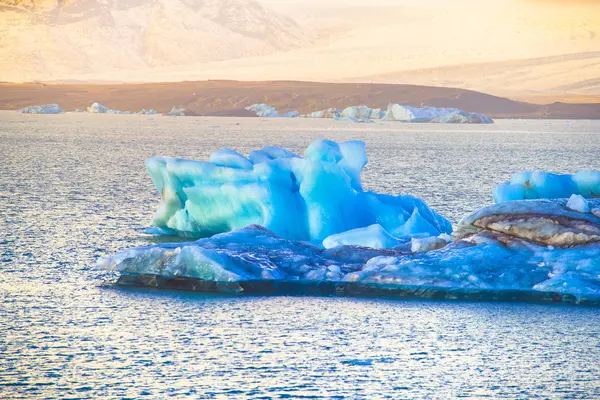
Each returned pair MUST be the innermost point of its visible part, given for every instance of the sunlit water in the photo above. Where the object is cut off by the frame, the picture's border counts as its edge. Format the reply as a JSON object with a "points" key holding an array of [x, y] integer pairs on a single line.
{"points": [[73, 188]]}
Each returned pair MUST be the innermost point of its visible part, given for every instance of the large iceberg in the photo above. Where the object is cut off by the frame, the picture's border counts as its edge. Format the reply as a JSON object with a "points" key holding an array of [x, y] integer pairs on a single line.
{"points": [[546, 185], [297, 198], [523, 250], [285, 224], [45, 109]]}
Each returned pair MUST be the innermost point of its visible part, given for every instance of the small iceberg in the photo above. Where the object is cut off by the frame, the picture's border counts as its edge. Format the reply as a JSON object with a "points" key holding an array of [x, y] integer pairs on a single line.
{"points": [[97, 108], [397, 112], [180, 111], [266, 111], [44, 109], [545, 185]]}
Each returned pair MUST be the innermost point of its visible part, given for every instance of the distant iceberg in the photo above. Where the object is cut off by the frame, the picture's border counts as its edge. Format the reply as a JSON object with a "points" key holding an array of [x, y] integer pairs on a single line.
{"points": [[45, 109], [329, 113], [462, 117], [397, 112], [97, 108], [266, 111]]}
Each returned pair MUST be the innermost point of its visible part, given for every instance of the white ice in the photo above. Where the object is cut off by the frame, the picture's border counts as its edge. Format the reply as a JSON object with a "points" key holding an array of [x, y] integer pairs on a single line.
{"points": [[45, 109]]}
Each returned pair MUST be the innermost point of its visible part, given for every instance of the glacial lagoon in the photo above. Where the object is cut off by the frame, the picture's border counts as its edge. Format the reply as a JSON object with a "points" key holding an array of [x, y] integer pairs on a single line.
{"points": [[74, 189]]}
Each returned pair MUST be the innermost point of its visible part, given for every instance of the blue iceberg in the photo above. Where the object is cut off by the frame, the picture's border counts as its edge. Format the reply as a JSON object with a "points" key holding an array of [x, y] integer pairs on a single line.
{"points": [[280, 224], [546, 185], [297, 198]]}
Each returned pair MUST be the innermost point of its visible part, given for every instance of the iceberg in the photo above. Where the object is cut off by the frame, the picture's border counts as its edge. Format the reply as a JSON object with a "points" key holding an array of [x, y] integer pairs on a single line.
{"points": [[501, 252], [266, 111], [318, 232], [462, 117], [546, 185], [45, 109], [397, 112], [361, 113], [97, 108], [180, 111], [329, 113], [263, 110], [297, 198]]}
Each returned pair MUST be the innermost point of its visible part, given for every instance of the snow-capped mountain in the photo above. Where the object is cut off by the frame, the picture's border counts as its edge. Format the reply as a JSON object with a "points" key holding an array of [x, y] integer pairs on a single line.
{"points": [[48, 39]]}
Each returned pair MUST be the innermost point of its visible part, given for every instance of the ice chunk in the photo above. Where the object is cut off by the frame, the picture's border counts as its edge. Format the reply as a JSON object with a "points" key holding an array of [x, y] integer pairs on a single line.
{"points": [[329, 113], [373, 236], [462, 117], [298, 198], [180, 111], [45, 109], [397, 112], [578, 203], [546, 185], [263, 110]]}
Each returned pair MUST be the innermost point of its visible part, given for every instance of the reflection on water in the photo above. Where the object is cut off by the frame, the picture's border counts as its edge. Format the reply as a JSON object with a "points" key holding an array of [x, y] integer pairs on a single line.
{"points": [[73, 188]]}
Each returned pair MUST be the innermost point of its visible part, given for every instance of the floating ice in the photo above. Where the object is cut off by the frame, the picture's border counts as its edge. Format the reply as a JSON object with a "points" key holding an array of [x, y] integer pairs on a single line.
{"points": [[307, 198], [546, 185], [397, 112], [263, 110], [488, 260], [364, 243], [329, 113], [266, 111], [45, 109], [180, 111], [462, 117], [97, 108]]}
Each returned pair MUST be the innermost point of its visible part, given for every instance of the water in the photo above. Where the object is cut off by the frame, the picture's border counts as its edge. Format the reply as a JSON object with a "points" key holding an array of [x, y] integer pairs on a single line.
{"points": [[73, 188]]}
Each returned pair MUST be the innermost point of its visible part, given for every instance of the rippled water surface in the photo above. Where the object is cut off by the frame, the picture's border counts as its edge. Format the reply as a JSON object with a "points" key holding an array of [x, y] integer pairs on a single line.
{"points": [[73, 188]]}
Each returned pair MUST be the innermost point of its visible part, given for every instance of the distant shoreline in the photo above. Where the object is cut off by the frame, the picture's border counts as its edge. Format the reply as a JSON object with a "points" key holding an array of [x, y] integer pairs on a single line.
{"points": [[228, 98]]}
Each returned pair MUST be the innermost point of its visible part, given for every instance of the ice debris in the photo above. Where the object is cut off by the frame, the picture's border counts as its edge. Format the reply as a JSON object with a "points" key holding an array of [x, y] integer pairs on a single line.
{"points": [[44, 109], [546, 185], [298, 198]]}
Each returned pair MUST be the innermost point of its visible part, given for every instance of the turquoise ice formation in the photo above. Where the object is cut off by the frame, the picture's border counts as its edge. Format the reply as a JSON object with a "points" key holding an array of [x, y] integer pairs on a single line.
{"points": [[281, 223], [297, 198], [546, 185]]}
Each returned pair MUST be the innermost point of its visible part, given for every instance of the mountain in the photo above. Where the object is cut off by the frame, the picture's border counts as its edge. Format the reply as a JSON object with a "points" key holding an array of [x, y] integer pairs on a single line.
{"points": [[526, 78], [43, 40]]}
